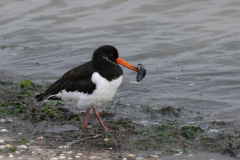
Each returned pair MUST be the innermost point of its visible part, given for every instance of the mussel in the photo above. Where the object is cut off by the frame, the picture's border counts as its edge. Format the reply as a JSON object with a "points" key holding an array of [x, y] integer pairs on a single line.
{"points": [[141, 72]]}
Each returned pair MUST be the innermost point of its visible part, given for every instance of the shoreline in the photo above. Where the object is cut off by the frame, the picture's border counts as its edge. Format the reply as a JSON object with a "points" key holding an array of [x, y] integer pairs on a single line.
{"points": [[49, 131]]}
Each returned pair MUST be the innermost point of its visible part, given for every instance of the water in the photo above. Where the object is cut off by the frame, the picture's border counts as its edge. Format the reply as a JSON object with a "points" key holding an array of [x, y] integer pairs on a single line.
{"points": [[190, 48]]}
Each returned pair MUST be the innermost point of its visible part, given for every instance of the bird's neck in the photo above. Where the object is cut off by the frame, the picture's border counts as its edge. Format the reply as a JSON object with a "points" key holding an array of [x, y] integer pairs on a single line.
{"points": [[108, 71]]}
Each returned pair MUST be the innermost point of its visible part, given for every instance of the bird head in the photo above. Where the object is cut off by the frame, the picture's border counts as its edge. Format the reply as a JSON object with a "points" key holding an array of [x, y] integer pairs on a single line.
{"points": [[108, 55]]}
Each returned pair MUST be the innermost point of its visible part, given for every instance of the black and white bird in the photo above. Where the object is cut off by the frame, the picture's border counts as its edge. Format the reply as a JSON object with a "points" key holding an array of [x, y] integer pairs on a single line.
{"points": [[91, 84]]}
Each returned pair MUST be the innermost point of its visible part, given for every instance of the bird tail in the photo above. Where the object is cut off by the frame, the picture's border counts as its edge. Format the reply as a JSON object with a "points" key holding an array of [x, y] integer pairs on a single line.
{"points": [[40, 97]]}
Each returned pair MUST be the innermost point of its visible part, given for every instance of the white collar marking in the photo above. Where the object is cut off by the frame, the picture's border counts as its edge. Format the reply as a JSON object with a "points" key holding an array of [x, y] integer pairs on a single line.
{"points": [[109, 60]]}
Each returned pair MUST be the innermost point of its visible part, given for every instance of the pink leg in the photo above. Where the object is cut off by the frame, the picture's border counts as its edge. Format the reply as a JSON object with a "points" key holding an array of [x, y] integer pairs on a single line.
{"points": [[97, 115], [85, 124]]}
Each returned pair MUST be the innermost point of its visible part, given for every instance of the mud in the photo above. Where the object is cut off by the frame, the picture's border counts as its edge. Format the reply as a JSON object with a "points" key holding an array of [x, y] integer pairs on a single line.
{"points": [[47, 130]]}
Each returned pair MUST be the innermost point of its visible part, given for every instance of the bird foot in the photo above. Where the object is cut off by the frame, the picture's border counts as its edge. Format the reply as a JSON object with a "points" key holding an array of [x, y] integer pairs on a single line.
{"points": [[107, 130], [86, 126]]}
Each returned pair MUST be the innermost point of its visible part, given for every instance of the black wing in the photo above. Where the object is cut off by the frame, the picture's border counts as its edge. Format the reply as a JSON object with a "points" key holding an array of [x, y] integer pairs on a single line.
{"points": [[76, 79]]}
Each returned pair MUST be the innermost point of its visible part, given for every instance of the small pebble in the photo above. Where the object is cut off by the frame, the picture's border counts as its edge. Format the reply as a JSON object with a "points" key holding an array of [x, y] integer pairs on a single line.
{"points": [[155, 156], [60, 147], [19, 133], [19, 157], [69, 158], [110, 148], [79, 154], [185, 145], [62, 157], [213, 131], [2, 141], [22, 146], [41, 138], [131, 155], [69, 152], [65, 146], [190, 155], [1, 157], [93, 157], [61, 154], [10, 156], [191, 84], [178, 154], [98, 135], [139, 158], [17, 152], [8, 146], [124, 158], [3, 120], [69, 143], [107, 139], [3, 130], [54, 158], [7, 120], [2, 147]]}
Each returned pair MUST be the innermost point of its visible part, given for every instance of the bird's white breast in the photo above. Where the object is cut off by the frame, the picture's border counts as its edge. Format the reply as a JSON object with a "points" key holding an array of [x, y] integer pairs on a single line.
{"points": [[104, 92]]}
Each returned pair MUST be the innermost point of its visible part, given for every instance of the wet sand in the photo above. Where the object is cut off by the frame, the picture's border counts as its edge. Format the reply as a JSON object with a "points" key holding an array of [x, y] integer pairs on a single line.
{"points": [[47, 130]]}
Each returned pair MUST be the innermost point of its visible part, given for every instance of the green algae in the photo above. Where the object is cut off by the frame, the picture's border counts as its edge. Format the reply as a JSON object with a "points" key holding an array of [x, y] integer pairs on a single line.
{"points": [[49, 111], [161, 134], [26, 92], [3, 103], [23, 139], [117, 122], [170, 152], [25, 83], [9, 150], [3, 47]]}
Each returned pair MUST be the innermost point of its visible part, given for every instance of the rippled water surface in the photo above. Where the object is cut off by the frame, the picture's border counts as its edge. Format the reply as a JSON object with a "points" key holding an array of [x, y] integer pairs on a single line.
{"points": [[191, 49]]}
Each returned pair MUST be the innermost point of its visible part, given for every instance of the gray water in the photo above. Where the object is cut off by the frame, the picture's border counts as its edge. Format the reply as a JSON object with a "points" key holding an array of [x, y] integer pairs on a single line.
{"points": [[191, 49]]}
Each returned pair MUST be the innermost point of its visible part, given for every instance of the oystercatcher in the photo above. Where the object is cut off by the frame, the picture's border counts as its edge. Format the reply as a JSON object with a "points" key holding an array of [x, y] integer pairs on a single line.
{"points": [[91, 84]]}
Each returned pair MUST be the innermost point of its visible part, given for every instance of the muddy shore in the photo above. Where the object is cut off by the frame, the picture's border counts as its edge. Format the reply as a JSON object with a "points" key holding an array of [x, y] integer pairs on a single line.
{"points": [[47, 130]]}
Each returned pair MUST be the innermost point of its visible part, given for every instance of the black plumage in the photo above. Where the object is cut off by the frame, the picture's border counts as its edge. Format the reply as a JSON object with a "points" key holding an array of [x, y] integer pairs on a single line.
{"points": [[79, 78]]}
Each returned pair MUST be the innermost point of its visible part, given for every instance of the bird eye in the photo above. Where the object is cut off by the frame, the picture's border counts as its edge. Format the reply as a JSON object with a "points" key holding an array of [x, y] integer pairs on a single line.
{"points": [[111, 54]]}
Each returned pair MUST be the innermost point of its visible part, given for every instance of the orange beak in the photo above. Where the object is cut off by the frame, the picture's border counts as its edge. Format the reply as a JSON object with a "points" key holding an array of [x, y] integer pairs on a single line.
{"points": [[126, 64]]}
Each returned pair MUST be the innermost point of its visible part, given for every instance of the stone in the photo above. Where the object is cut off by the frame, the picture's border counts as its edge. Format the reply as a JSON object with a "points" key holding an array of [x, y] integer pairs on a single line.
{"points": [[61, 157], [131, 155], [3, 130], [94, 157], [22, 146], [10, 156]]}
